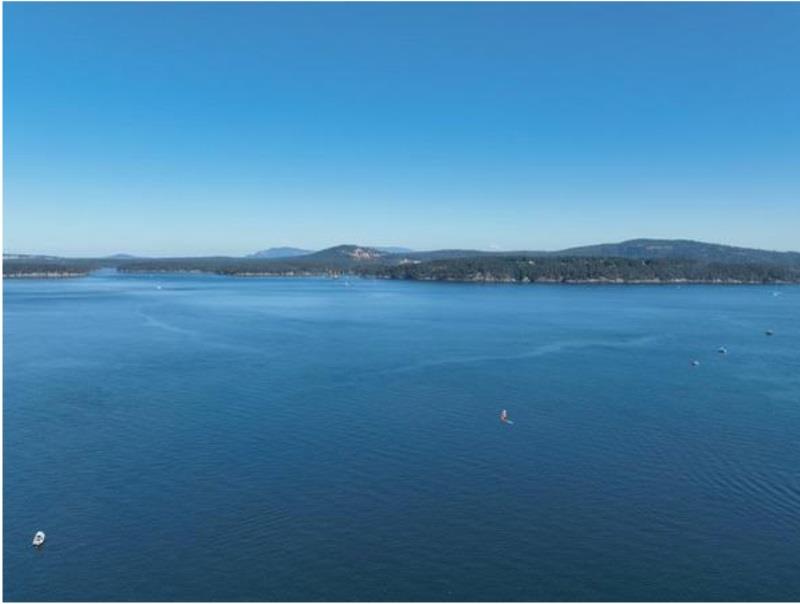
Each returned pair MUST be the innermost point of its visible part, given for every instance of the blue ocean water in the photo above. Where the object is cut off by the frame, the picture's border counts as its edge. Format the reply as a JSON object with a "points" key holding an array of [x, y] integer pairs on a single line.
{"points": [[209, 438]]}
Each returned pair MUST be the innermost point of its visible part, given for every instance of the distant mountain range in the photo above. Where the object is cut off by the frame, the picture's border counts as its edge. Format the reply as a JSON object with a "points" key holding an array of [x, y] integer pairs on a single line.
{"points": [[122, 256], [280, 252], [291, 252], [10, 256]]}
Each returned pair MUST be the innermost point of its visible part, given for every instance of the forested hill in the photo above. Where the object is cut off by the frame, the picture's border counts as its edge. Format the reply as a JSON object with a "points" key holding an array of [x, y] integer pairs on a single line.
{"points": [[639, 249], [685, 249]]}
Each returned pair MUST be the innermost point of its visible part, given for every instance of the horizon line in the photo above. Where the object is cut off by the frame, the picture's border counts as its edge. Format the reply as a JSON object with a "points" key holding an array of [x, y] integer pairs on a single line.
{"points": [[312, 250]]}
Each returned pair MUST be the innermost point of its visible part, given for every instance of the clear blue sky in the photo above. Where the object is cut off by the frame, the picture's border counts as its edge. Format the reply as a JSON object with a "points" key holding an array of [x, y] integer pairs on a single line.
{"points": [[225, 128]]}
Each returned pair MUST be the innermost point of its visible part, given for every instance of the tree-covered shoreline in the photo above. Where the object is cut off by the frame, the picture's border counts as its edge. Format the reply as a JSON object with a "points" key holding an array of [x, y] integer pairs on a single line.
{"points": [[589, 270], [487, 269], [635, 261]]}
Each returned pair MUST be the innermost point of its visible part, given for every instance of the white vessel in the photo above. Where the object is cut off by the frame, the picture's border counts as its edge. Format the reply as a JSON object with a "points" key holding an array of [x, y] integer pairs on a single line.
{"points": [[38, 539]]}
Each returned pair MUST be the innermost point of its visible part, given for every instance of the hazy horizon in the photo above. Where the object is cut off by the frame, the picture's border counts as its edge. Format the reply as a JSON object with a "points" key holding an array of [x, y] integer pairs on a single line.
{"points": [[160, 129], [796, 249]]}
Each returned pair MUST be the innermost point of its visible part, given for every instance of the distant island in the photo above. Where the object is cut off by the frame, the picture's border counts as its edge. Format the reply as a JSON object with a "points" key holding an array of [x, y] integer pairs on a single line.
{"points": [[280, 252], [634, 261]]}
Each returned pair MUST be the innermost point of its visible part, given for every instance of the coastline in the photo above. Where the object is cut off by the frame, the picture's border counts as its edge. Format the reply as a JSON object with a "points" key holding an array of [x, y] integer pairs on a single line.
{"points": [[482, 279], [45, 275]]}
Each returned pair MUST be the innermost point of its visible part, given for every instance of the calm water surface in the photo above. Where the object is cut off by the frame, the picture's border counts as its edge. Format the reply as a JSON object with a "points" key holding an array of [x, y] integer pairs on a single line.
{"points": [[210, 438]]}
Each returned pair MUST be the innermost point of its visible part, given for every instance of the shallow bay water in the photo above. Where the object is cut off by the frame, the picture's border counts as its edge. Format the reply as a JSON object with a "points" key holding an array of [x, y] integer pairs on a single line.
{"points": [[190, 437]]}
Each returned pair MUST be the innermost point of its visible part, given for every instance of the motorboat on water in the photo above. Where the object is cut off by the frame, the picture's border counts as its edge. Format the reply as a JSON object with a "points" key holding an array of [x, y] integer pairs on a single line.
{"points": [[38, 539], [504, 417]]}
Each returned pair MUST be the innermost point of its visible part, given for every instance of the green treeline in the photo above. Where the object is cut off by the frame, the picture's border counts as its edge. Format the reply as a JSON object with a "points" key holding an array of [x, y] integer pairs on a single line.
{"points": [[486, 268], [50, 267], [586, 269]]}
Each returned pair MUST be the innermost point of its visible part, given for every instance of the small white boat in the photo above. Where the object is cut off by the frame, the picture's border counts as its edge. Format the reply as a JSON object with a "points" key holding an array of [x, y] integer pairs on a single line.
{"points": [[695, 363], [722, 350], [38, 539]]}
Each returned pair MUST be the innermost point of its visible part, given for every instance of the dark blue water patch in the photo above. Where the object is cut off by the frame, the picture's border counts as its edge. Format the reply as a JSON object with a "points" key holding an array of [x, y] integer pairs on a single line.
{"points": [[207, 438]]}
